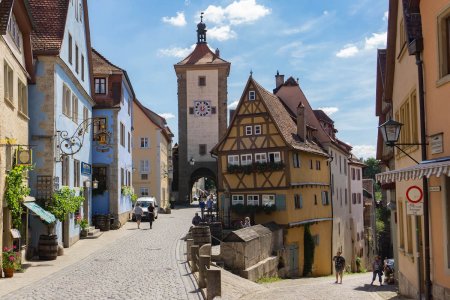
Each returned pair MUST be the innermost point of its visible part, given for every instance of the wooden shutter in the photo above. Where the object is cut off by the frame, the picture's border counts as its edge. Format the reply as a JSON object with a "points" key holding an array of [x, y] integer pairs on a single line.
{"points": [[280, 202]]}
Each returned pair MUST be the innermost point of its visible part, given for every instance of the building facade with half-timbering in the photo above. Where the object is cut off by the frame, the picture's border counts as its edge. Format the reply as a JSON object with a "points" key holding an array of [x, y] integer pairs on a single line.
{"points": [[271, 169]]}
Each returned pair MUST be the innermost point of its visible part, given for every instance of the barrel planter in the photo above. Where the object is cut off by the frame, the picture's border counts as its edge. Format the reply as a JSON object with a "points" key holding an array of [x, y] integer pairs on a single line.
{"points": [[216, 232], [103, 222], [48, 247], [201, 235]]}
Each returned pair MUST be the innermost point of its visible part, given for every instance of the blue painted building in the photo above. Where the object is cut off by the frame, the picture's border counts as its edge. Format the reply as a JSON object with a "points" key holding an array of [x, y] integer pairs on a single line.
{"points": [[112, 163], [59, 101]]}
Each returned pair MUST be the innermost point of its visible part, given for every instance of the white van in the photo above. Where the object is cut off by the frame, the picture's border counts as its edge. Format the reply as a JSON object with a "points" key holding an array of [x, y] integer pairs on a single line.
{"points": [[145, 202]]}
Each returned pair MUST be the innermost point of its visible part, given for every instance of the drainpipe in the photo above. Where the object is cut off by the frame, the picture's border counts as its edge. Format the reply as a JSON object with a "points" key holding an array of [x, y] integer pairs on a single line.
{"points": [[423, 140]]}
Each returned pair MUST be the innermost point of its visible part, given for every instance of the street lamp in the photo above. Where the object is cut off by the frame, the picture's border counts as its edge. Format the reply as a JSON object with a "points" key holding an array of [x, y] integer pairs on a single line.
{"points": [[192, 161], [390, 131], [95, 184]]}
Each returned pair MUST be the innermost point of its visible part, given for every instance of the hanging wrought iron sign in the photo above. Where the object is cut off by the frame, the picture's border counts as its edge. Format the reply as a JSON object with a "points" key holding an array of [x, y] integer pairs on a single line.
{"points": [[70, 144]]}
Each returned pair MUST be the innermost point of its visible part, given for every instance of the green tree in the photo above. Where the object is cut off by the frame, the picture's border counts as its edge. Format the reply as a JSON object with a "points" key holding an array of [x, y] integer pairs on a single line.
{"points": [[373, 168]]}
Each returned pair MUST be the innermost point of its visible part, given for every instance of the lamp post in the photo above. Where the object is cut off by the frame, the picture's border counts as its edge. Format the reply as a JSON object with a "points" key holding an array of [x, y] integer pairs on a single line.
{"points": [[390, 132], [192, 161]]}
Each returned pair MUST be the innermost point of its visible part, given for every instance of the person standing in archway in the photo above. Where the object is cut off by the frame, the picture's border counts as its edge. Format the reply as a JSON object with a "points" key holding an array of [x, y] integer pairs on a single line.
{"points": [[202, 205]]}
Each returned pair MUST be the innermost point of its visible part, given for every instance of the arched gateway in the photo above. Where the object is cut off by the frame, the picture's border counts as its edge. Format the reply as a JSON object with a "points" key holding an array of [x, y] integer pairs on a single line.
{"points": [[202, 113]]}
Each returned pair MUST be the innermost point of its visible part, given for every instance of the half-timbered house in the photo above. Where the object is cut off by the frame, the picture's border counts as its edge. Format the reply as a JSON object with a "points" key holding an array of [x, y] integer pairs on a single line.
{"points": [[271, 170]]}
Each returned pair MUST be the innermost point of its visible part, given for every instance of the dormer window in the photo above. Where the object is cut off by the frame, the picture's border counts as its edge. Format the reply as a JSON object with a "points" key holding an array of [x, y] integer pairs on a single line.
{"points": [[251, 95], [100, 85]]}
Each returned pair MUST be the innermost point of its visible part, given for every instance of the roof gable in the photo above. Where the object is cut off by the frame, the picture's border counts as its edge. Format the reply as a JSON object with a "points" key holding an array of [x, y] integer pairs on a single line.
{"points": [[202, 55], [285, 125], [50, 20], [5, 13]]}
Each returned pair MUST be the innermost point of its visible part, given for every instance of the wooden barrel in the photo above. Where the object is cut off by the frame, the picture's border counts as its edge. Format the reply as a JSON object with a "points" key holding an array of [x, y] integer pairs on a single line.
{"points": [[216, 232], [201, 235], [103, 222], [48, 247]]}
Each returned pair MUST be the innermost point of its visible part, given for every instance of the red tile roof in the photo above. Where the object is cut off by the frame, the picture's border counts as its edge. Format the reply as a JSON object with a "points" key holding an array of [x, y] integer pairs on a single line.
{"points": [[5, 12], [102, 65], [202, 55], [50, 20]]}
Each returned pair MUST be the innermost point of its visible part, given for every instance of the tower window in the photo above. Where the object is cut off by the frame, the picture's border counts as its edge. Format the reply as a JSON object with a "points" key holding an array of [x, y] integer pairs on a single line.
{"points": [[251, 95], [202, 149], [201, 81]]}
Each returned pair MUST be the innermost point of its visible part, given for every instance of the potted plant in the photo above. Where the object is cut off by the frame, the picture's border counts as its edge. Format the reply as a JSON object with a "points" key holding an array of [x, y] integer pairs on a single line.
{"points": [[84, 224], [358, 264], [9, 261]]}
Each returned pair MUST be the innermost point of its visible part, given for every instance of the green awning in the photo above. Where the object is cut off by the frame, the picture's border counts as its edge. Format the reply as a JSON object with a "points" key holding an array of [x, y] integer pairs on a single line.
{"points": [[45, 216]]}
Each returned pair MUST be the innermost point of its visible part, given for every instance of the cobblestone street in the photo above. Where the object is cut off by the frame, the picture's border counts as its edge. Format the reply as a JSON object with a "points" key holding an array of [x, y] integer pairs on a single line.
{"points": [[145, 264]]}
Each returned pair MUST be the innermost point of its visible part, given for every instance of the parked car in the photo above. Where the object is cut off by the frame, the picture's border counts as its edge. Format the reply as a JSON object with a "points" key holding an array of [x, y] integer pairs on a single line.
{"points": [[145, 202]]}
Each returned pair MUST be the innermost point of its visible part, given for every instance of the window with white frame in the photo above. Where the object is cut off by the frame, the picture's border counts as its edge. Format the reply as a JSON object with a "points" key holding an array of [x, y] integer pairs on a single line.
{"points": [[144, 166], [296, 159], [233, 160], [298, 201], [257, 130], [22, 97], [85, 117], [144, 142], [8, 81], [237, 199], [325, 200], [246, 159], [252, 199], [260, 157], [100, 85], [82, 67], [77, 63], [268, 200], [144, 192], [14, 32], [274, 157], [248, 130], [70, 48], [251, 95], [66, 101], [74, 108], [444, 42]]}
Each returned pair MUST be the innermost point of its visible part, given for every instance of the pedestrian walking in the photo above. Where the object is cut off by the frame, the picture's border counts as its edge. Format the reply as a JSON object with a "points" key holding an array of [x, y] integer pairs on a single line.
{"points": [[196, 220], [138, 212], [202, 207], [151, 214], [209, 204], [377, 268], [339, 266], [246, 223]]}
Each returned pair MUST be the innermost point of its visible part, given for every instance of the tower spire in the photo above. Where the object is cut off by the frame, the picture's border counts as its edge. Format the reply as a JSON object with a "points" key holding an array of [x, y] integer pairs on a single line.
{"points": [[201, 31]]}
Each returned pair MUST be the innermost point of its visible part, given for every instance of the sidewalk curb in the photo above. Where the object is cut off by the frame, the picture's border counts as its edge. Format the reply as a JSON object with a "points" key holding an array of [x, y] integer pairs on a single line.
{"points": [[190, 284]]}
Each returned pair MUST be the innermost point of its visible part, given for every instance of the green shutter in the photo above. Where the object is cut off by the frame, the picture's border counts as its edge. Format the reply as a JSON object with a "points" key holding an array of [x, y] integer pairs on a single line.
{"points": [[280, 202]]}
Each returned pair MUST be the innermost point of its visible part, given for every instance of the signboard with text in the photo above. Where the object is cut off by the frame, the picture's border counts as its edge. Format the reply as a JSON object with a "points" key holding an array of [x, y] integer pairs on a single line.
{"points": [[86, 169], [415, 209]]}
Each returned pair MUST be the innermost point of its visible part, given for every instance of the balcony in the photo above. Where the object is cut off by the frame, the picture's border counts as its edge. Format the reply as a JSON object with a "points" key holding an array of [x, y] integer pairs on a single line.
{"points": [[256, 167]]}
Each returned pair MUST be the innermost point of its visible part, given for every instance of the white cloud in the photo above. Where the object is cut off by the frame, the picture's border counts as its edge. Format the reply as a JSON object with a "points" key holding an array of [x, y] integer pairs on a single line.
{"points": [[376, 40], [386, 16], [364, 151], [238, 12], [176, 51], [233, 104], [329, 110], [167, 116], [221, 33], [179, 20], [348, 51], [308, 25]]}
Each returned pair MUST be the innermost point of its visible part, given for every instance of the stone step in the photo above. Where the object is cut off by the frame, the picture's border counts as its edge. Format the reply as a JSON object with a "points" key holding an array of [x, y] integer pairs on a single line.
{"points": [[93, 232], [90, 228], [94, 235]]}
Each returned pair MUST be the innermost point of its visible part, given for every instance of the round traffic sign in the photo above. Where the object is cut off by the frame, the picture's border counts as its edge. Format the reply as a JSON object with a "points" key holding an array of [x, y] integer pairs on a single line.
{"points": [[414, 194]]}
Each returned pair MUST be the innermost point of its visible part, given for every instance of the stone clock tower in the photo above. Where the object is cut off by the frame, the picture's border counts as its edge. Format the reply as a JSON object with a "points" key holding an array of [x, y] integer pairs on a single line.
{"points": [[202, 112]]}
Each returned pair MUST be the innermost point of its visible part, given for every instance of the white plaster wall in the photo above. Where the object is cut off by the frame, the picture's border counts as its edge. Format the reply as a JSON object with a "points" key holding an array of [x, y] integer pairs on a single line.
{"points": [[357, 209], [202, 130]]}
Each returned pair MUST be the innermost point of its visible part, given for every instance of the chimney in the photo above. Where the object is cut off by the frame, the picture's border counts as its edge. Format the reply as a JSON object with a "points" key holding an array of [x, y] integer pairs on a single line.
{"points": [[217, 52], [301, 121], [279, 79]]}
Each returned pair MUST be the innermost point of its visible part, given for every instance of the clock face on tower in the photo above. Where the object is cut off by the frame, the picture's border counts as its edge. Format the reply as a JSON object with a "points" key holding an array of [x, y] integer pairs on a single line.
{"points": [[202, 108]]}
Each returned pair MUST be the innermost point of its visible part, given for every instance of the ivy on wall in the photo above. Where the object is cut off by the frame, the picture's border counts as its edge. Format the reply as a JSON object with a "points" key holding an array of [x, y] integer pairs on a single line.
{"points": [[15, 193]]}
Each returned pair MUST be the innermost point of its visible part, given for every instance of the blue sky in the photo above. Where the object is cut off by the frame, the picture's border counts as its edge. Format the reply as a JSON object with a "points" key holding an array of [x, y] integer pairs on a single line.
{"points": [[330, 45]]}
